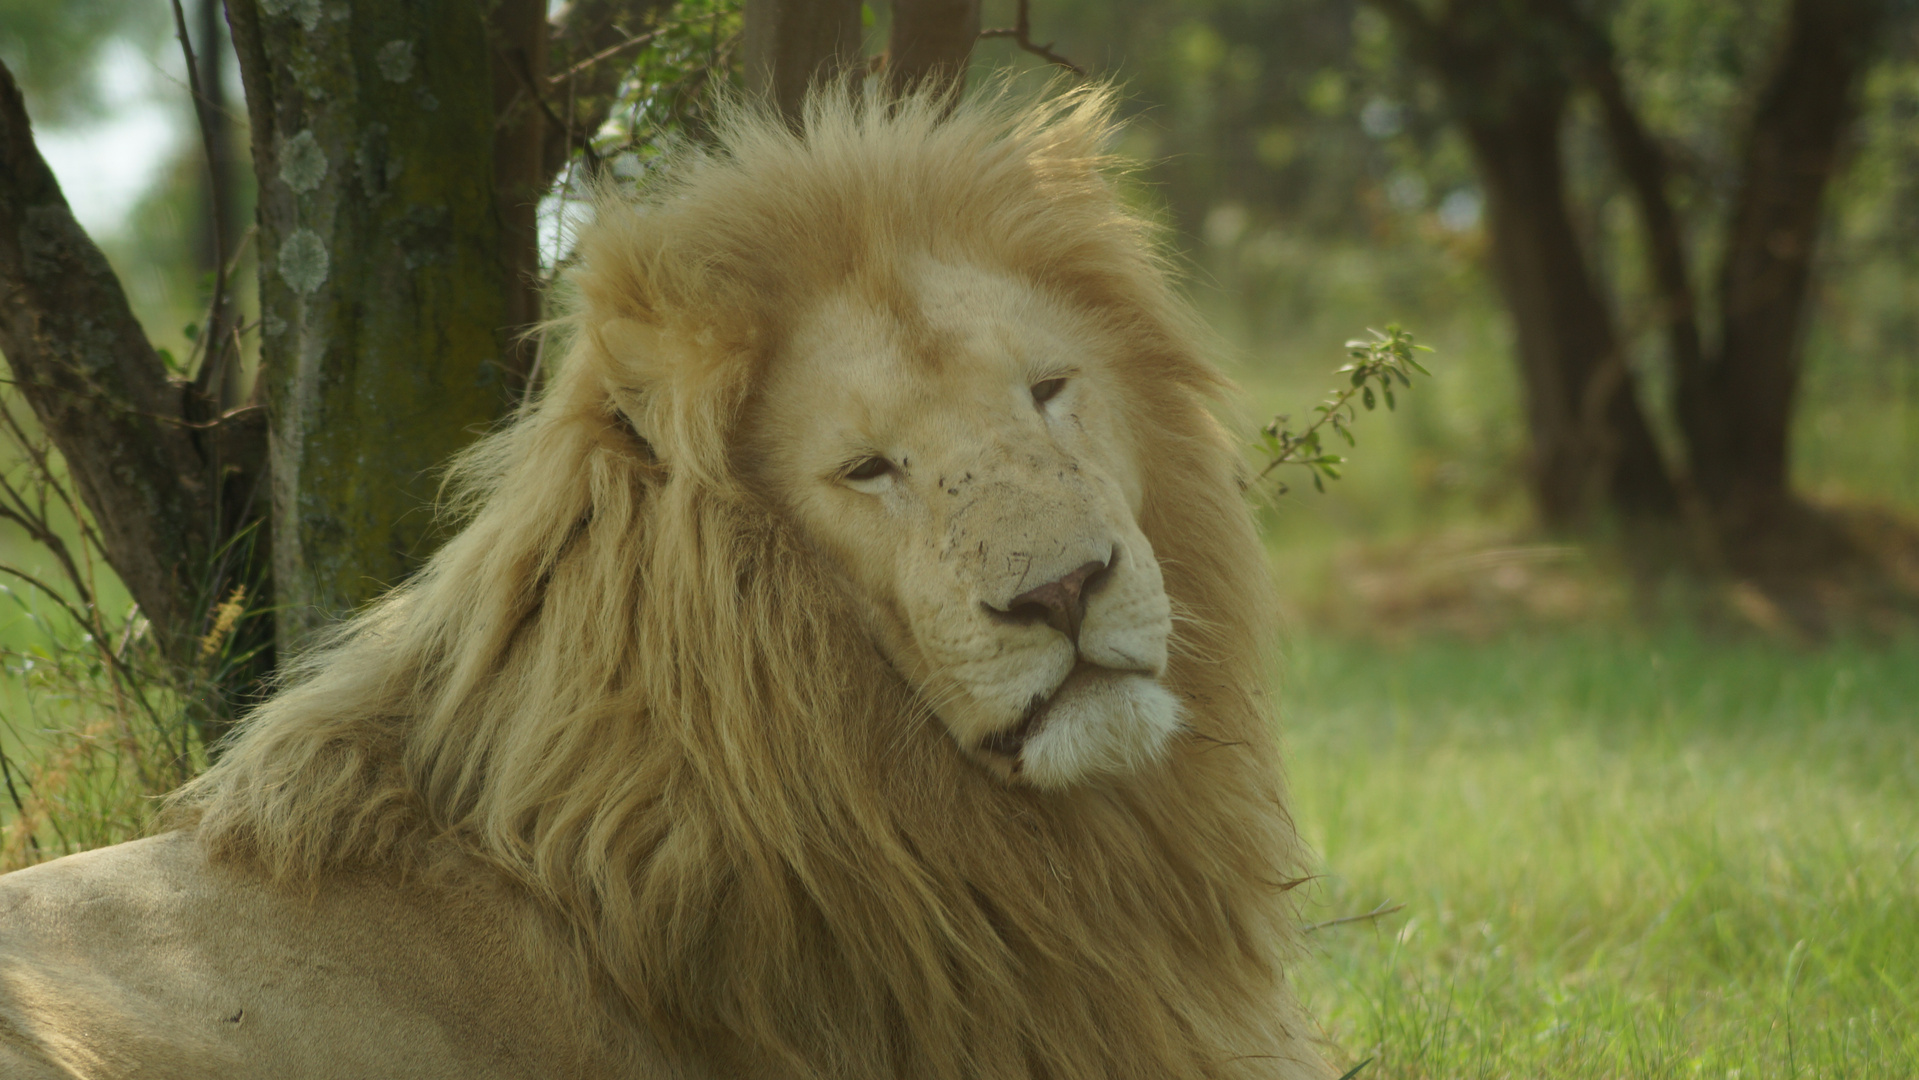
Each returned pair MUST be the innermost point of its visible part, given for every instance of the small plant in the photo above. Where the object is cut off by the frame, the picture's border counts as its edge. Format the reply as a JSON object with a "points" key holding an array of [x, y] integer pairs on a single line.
{"points": [[1380, 362]]}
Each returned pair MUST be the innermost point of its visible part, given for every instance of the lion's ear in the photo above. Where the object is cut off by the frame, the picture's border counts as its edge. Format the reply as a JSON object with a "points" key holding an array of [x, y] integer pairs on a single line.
{"points": [[639, 369], [663, 381]]}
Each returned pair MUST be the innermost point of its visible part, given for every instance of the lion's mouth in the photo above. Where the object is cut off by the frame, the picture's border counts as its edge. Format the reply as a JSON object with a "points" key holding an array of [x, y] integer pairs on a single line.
{"points": [[1097, 722], [1008, 744]]}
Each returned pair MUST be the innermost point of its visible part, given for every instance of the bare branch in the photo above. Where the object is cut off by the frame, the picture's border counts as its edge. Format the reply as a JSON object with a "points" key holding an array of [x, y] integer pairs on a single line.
{"points": [[79, 619], [609, 53], [583, 30], [1021, 32], [203, 113]]}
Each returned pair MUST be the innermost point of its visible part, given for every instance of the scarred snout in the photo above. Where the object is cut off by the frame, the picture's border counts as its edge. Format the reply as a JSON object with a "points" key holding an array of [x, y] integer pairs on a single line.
{"points": [[1058, 680]]}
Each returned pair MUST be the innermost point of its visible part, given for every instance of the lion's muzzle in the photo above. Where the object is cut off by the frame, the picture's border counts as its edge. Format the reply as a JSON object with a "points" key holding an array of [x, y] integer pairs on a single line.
{"points": [[1060, 604]]}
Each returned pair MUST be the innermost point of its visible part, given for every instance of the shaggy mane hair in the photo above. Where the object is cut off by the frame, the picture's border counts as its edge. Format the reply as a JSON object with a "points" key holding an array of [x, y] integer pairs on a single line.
{"points": [[629, 687]]}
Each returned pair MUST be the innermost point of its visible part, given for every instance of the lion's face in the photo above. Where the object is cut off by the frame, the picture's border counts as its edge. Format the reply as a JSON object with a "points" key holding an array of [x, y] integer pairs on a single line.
{"points": [[956, 445]]}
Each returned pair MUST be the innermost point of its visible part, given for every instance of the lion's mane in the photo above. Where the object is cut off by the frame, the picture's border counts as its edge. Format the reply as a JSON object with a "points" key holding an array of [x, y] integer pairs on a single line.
{"points": [[628, 687]]}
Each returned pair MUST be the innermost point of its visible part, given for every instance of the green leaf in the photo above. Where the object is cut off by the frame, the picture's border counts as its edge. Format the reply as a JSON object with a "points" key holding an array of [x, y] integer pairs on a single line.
{"points": [[1390, 403], [1367, 397], [192, 331], [1318, 485]]}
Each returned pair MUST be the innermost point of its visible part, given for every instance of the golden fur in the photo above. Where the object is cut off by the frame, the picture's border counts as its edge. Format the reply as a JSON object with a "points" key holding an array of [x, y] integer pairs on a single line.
{"points": [[629, 687]]}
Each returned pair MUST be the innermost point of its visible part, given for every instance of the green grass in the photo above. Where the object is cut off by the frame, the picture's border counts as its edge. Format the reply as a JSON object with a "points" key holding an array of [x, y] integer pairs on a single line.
{"points": [[1622, 854]]}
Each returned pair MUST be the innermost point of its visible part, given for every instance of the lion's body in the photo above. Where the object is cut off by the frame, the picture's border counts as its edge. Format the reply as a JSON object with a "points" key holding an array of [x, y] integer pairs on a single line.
{"points": [[627, 747], [142, 960]]}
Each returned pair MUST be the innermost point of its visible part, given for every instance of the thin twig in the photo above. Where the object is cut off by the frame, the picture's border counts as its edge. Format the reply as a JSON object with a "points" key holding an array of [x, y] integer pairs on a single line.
{"points": [[37, 453], [524, 76], [611, 51], [1385, 359], [6, 770], [215, 193], [217, 325], [1377, 913], [41, 531], [78, 619], [95, 632], [1021, 33]]}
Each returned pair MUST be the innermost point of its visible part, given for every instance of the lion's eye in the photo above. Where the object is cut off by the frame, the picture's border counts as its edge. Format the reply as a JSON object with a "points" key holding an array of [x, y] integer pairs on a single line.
{"points": [[870, 469], [1044, 392]]}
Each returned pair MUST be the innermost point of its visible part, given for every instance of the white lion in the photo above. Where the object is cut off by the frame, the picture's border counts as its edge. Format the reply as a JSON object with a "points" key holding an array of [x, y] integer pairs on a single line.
{"points": [[850, 668]]}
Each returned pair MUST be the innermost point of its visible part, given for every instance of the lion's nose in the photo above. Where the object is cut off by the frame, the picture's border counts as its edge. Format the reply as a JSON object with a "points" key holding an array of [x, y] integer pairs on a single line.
{"points": [[1059, 604]]}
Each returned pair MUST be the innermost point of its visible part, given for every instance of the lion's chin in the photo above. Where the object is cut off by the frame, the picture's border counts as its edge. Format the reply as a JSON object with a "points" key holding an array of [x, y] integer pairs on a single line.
{"points": [[1099, 723]]}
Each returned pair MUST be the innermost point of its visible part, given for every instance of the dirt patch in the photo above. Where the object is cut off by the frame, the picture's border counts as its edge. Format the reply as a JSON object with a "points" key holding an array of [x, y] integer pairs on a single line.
{"points": [[1812, 571]]}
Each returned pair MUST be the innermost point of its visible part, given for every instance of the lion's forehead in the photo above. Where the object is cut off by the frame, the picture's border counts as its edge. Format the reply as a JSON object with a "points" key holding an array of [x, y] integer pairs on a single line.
{"points": [[935, 334]]}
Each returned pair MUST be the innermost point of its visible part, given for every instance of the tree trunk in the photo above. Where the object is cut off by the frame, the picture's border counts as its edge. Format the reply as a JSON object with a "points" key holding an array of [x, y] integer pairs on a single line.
{"points": [[1643, 165], [1735, 408], [1502, 70], [219, 233], [791, 46], [930, 40], [152, 482], [381, 290], [518, 33], [1591, 443]]}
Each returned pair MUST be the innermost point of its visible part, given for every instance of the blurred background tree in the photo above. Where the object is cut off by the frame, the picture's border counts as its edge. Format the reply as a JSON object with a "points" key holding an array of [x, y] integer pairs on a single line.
{"points": [[1652, 210]]}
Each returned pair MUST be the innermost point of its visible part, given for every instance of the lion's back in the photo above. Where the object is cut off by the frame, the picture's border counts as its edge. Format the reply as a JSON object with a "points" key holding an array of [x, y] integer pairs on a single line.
{"points": [[144, 960]]}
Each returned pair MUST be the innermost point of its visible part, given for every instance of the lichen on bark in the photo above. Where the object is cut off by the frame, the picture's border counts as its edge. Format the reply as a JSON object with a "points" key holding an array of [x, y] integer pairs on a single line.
{"points": [[381, 285]]}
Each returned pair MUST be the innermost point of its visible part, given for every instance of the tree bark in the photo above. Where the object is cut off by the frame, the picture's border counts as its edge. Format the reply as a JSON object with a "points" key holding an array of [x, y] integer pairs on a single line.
{"points": [[382, 296], [792, 45], [1735, 407], [518, 33], [930, 41], [153, 483]]}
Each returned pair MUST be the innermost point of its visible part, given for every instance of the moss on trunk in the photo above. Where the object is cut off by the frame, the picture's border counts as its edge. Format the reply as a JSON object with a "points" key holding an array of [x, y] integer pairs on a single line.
{"points": [[382, 289]]}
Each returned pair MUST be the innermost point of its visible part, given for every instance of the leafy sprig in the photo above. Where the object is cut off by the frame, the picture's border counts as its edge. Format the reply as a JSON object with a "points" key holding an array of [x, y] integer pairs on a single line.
{"points": [[1375, 367]]}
